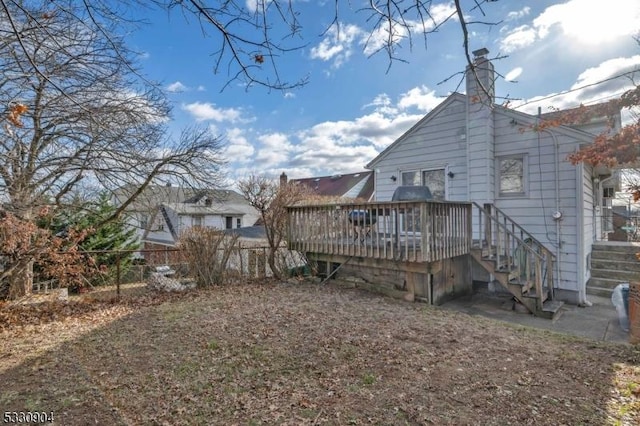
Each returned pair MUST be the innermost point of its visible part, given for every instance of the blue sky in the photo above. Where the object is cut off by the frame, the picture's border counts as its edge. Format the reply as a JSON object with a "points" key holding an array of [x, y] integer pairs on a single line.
{"points": [[352, 107]]}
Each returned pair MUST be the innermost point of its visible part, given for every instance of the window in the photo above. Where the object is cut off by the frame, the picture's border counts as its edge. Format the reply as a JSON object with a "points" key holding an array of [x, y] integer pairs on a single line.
{"points": [[229, 222], [239, 222], [411, 178], [144, 221], [511, 179], [434, 179], [196, 221]]}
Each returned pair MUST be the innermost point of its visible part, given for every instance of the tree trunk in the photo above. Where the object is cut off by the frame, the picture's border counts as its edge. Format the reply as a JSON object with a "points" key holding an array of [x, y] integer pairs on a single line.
{"points": [[271, 259], [21, 281]]}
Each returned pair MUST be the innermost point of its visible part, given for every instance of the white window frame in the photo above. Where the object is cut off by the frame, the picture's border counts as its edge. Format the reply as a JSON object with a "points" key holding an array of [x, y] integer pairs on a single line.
{"points": [[525, 176], [445, 170]]}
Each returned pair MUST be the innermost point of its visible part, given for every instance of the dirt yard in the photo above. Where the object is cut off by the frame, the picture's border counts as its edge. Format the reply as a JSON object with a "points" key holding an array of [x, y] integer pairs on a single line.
{"points": [[302, 354]]}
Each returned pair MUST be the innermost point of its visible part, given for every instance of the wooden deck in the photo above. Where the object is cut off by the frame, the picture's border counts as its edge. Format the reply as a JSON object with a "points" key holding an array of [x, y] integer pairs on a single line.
{"points": [[403, 231], [421, 238]]}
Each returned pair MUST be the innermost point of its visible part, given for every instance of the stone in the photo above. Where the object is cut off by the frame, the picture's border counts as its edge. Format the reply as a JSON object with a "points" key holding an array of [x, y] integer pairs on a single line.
{"points": [[159, 282]]}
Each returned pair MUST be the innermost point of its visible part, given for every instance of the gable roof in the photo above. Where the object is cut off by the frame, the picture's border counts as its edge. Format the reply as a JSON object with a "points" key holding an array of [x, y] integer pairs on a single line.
{"points": [[152, 196], [351, 185], [521, 117], [216, 196]]}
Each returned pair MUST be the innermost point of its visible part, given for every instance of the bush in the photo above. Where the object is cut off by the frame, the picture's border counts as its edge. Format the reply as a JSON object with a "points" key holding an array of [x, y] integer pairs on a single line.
{"points": [[207, 251]]}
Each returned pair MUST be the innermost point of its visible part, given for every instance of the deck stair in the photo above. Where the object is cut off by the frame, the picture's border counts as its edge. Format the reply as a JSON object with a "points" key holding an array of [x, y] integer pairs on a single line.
{"points": [[518, 261]]}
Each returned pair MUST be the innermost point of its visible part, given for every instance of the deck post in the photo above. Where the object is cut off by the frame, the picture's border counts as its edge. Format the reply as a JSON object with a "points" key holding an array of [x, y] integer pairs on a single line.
{"points": [[411, 286], [487, 228]]}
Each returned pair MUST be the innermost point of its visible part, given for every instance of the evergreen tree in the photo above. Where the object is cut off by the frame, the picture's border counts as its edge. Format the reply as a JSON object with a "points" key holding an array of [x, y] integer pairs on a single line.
{"points": [[114, 238]]}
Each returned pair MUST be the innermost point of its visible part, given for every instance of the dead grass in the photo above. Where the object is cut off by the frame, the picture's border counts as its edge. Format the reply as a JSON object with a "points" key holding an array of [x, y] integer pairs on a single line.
{"points": [[307, 354]]}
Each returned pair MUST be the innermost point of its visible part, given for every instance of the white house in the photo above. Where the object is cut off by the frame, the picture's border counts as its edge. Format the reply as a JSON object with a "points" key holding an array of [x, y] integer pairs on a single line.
{"points": [[220, 209], [470, 149], [138, 214]]}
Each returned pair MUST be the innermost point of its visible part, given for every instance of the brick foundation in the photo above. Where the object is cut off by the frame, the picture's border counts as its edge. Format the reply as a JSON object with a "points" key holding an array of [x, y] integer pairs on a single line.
{"points": [[634, 313]]}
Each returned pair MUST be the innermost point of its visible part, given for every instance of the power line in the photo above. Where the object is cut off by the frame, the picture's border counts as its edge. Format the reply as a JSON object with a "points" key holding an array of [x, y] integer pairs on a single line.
{"points": [[578, 88]]}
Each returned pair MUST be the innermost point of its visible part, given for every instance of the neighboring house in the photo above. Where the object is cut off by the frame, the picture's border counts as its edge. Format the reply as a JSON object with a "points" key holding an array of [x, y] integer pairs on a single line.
{"points": [[221, 209], [138, 214], [353, 185], [470, 149]]}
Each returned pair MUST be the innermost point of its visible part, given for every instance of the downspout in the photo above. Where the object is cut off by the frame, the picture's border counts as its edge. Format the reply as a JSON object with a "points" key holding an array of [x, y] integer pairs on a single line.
{"points": [[556, 154]]}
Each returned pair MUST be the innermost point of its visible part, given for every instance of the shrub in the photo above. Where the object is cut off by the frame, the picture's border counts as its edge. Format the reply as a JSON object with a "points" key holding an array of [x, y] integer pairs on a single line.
{"points": [[207, 251]]}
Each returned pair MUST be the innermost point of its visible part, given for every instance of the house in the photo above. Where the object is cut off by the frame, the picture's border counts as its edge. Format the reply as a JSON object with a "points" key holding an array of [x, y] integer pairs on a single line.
{"points": [[340, 186], [138, 214], [469, 149], [221, 209]]}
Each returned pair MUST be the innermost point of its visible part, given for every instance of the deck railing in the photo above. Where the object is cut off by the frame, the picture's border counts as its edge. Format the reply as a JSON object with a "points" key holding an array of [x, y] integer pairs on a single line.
{"points": [[515, 251], [424, 231]]}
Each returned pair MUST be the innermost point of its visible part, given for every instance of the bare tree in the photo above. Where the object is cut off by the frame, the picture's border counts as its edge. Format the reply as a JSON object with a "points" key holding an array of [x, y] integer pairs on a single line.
{"points": [[249, 37], [271, 199], [77, 113]]}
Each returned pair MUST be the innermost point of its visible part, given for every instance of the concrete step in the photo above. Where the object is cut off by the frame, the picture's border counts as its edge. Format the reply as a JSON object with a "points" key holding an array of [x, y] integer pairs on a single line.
{"points": [[616, 247], [615, 274], [614, 255], [599, 291], [617, 265], [603, 283]]}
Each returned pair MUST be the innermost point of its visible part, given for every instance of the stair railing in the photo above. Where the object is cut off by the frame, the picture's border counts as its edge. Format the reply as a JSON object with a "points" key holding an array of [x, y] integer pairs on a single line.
{"points": [[517, 252]]}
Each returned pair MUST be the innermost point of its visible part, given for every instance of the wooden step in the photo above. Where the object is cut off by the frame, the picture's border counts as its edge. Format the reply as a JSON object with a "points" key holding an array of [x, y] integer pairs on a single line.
{"points": [[551, 309]]}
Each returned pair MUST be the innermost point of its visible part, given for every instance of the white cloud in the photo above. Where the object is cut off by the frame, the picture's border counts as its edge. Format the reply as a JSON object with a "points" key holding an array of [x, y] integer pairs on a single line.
{"points": [[337, 45], [334, 146], [289, 95], [239, 149], [176, 87], [202, 111], [517, 14], [513, 74], [256, 6], [382, 37], [597, 89], [275, 149], [325, 148], [386, 35], [201, 88], [518, 38], [421, 97], [588, 22]]}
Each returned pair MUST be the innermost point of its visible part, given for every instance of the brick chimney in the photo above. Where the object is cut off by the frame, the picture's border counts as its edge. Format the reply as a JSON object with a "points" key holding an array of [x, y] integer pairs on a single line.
{"points": [[283, 179]]}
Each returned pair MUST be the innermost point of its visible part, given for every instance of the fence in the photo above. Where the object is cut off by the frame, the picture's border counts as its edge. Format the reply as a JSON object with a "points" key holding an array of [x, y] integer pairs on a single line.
{"points": [[131, 266]]}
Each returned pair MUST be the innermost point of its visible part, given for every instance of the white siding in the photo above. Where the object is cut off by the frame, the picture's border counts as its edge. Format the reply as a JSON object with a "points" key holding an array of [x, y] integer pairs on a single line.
{"points": [[437, 143], [534, 210], [588, 222], [551, 181]]}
